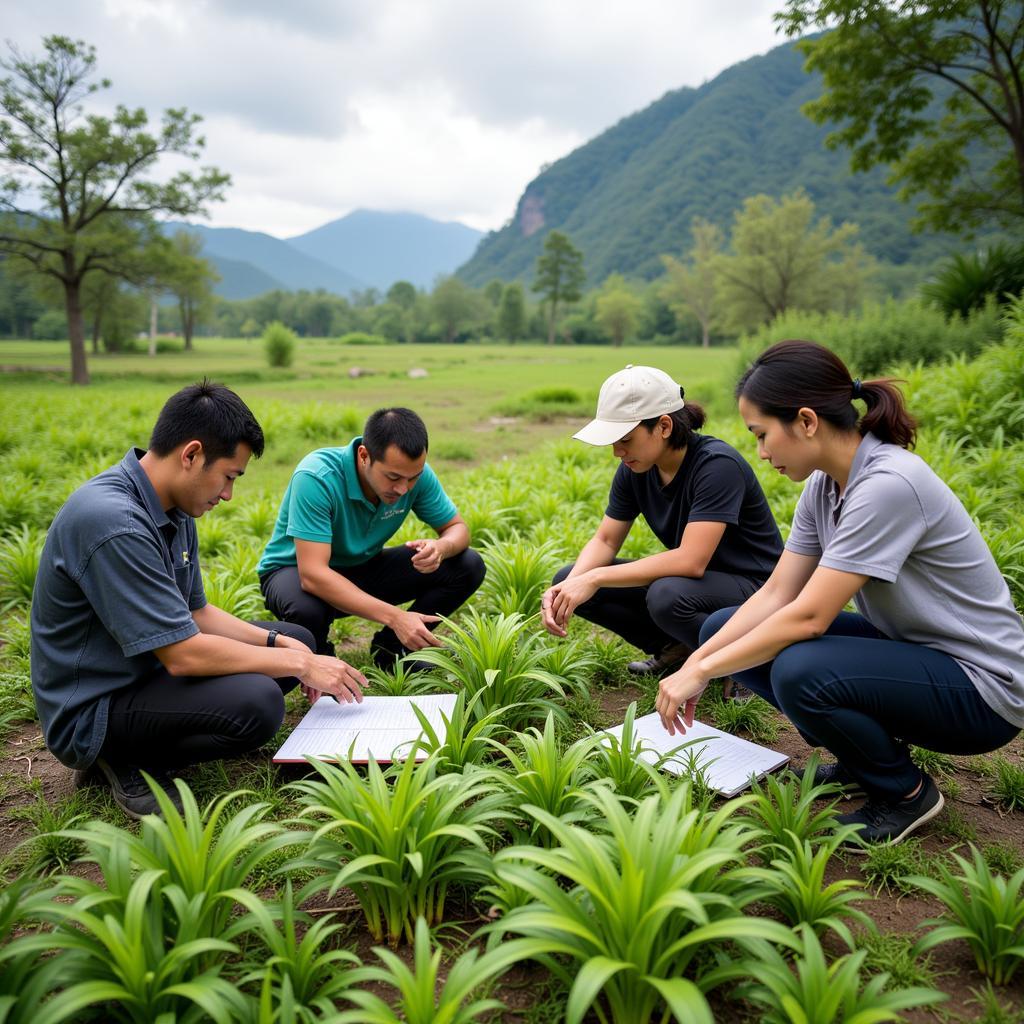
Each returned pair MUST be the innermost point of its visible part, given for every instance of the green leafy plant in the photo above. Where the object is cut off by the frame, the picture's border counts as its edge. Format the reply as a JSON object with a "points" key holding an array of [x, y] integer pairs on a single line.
{"points": [[933, 762], [401, 680], [756, 717], [279, 345], [51, 848], [423, 996], [518, 572], [138, 950], [984, 909], [1007, 784], [495, 657], [784, 810], [206, 855], [893, 954], [291, 956], [237, 595], [20, 551], [1006, 858], [543, 776], [616, 762], [466, 737], [648, 897], [893, 868], [795, 886], [812, 991], [397, 842]]}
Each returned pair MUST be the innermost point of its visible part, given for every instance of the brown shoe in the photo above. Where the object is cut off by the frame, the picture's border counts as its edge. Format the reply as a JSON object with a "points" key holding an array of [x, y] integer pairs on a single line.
{"points": [[667, 660]]}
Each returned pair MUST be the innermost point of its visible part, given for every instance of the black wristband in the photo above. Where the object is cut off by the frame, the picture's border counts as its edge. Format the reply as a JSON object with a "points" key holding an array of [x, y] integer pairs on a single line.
{"points": [[272, 638]]}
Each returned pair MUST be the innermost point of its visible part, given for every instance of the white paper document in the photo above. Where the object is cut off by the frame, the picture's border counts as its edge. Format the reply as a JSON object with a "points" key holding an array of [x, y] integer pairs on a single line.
{"points": [[728, 762], [378, 729]]}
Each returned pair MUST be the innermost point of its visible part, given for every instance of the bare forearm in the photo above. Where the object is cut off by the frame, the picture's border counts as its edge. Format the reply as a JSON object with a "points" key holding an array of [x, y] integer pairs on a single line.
{"points": [[596, 553], [454, 539], [208, 654], [742, 649], [643, 571], [215, 621]]}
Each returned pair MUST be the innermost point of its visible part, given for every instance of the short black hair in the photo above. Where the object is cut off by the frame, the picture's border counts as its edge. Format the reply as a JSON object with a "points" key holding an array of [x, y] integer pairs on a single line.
{"points": [[684, 422], [398, 426], [210, 413]]}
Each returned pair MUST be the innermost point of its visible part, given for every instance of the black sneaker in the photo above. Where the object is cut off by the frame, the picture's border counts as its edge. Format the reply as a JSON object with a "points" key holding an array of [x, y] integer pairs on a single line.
{"points": [[837, 775], [667, 660], [131, 791], [882, 821]]}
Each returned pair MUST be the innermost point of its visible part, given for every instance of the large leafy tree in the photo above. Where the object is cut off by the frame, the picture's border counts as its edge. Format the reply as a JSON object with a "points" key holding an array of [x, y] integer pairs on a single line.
{"points": [[75, 198], [784, 257], [189, 277], [617, 309], [933, 89], [560, 276], [693, 287]]}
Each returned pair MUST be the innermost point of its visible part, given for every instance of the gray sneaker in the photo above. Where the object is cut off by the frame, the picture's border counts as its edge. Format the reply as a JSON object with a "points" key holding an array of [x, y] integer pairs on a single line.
{"points": [[884, 821], [131, 791]]}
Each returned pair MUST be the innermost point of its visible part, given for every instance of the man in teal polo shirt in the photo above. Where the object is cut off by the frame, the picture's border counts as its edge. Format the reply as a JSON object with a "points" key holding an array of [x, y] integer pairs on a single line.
{"points": [[326, 557]]}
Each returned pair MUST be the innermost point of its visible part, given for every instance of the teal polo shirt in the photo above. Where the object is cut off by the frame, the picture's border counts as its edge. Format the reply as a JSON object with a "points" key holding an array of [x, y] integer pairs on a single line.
{"points": [[324, 503]]}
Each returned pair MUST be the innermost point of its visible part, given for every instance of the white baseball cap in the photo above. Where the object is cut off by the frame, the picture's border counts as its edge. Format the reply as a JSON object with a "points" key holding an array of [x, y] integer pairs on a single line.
{"points": [[627, 398]]}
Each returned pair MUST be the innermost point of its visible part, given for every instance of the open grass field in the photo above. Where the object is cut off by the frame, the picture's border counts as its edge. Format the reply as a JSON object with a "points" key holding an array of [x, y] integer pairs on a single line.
{"points": [[566, 882]]}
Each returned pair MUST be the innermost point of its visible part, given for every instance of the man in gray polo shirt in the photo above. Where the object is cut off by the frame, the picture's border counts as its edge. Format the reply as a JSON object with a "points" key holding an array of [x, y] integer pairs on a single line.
{"points": [[132, 668]]}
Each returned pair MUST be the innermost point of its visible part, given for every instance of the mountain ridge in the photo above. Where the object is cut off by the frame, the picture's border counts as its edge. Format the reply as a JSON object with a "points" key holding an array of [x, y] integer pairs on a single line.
{"points": [[630, 193]]}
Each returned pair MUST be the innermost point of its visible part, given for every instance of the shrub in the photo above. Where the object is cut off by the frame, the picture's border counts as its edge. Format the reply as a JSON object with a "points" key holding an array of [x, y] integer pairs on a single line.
{"points": [[362, 338], [279, 345], [968, 282], [880, 335]]}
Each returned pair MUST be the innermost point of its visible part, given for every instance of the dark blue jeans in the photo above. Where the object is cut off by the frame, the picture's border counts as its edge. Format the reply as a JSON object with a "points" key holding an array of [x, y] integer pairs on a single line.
{"points": [[865, 697], [669, 610]]}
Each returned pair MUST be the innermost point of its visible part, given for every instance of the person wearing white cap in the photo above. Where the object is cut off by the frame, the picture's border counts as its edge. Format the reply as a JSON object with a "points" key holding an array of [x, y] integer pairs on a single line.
{"points": [[702, 501]]}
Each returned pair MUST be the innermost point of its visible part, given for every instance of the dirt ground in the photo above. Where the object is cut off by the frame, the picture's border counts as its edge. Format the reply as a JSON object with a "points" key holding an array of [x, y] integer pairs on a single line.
{"points": [[524, 988]]}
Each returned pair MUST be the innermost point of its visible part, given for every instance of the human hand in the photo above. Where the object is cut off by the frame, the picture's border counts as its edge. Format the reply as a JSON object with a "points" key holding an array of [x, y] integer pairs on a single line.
{"points": [[412, 632], [334, 677], [546, 615], [429, 554], [568, 595], [678, 695]]}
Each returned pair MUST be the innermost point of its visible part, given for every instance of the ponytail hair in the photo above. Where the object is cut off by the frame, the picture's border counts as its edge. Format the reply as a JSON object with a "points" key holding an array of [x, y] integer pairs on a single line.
{"points": [[684, 422], [795, 375]]}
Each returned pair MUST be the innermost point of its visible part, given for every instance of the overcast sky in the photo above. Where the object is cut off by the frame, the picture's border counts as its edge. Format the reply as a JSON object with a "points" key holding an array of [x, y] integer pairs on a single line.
{"points": [[442, 107]]}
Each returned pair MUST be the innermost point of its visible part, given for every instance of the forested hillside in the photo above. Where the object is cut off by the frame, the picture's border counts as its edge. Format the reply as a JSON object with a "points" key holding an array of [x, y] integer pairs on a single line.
{"points": [[630, 194]]}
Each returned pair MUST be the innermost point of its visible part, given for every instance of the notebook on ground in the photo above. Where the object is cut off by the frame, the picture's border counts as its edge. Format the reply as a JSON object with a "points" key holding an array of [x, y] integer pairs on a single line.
{"points": [[729, 762], [379, 729]]}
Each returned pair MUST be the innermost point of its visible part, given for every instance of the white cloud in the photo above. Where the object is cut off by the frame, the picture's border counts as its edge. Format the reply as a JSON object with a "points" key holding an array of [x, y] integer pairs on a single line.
{"points": [[447, 108]]}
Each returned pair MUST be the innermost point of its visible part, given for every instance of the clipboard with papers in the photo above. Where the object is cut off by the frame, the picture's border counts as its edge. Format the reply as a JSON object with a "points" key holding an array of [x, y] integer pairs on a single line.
{"points": [[729, 762], [381, 729]]}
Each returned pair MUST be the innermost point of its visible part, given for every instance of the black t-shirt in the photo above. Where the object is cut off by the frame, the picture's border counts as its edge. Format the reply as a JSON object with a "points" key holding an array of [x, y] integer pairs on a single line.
{"points": [[713, 485]]}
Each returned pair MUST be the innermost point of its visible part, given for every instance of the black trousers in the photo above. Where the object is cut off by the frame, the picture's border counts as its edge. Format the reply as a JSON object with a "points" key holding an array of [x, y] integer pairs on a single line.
{"points": [[172, 721], [390, 577], [864, 697], [667, 611]]}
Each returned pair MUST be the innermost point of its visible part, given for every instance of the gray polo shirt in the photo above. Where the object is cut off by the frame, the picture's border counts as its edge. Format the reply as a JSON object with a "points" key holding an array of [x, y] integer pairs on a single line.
{"points": [[118, 578], [932, 579]]}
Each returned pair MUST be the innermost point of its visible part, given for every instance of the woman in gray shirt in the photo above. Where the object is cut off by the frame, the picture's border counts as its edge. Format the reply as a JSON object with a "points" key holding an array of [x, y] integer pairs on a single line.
{"points": [[934, 655]]}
